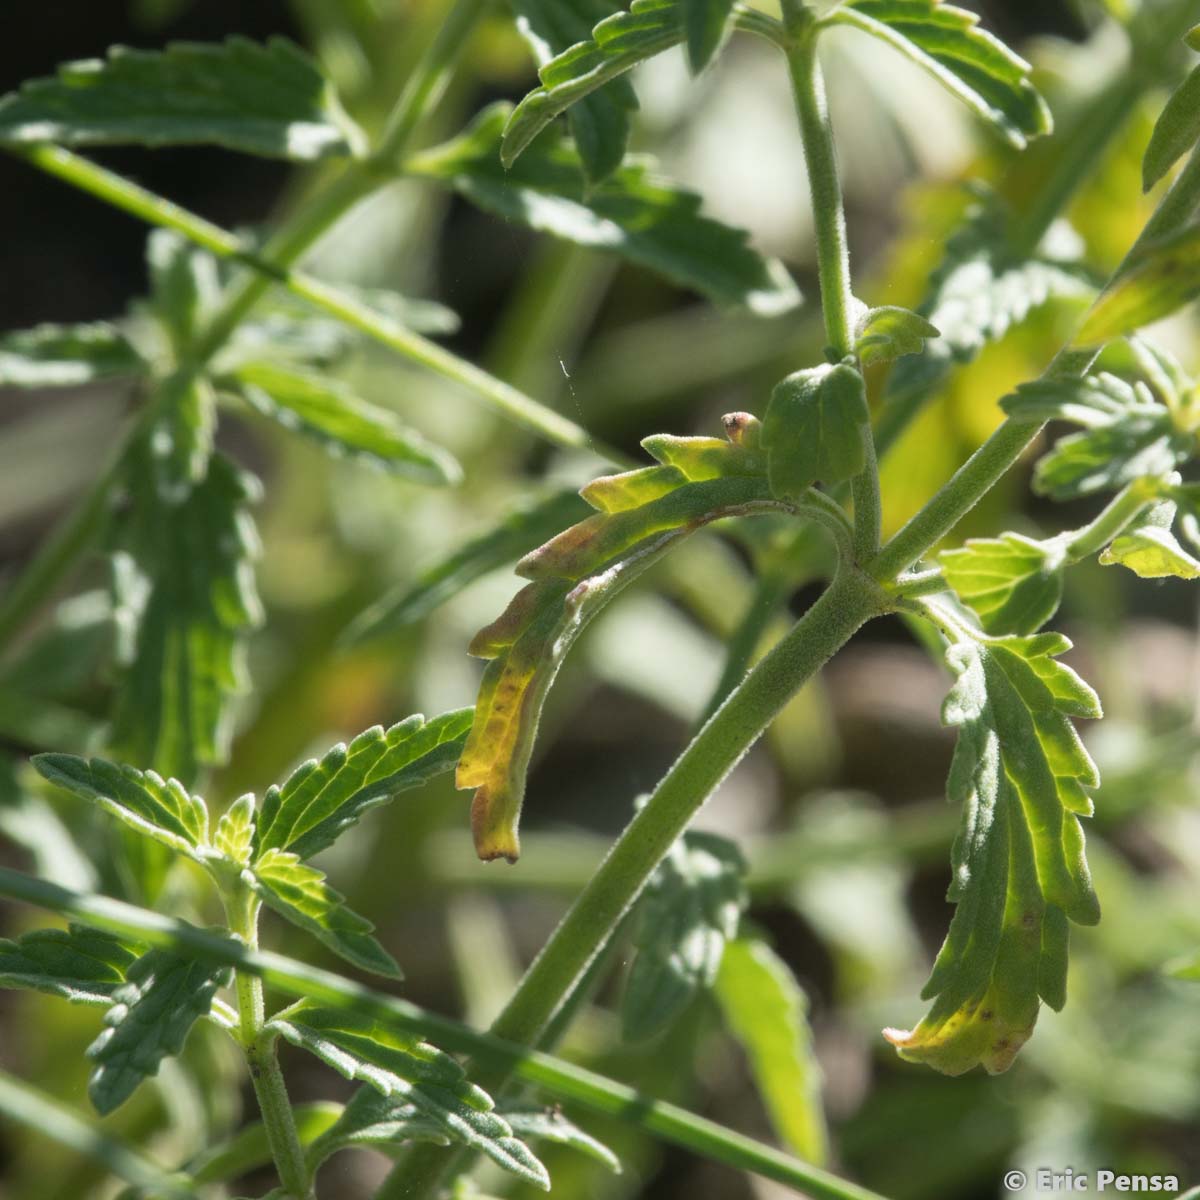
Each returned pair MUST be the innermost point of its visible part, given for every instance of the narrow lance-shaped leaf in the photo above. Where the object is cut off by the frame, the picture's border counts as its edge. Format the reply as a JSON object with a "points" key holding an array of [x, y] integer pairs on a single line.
{"points": [[1163, 277], [329, 412], [617, 44], [1012, 583], [1020, 774], [184, 597], [647, 220], [768, 1014], [299, 894], [599, 122], [153, 1011], [162, 810], [65, 355], [1175, 132], [403, 1068], [816, 429], [79, 964], [574, 575], [261, 99], [1127, 434], [522, 530], [321, 799], [691, 909], [706, 24], [946, 41]]}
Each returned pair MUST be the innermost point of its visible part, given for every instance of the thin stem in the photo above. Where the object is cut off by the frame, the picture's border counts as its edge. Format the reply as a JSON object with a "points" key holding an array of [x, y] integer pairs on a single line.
{"points": [[556, 1077], [265, 1074], [868, 505], [829, 218], [128, 196], [848, 603], [1113, 520], [427, 83]]}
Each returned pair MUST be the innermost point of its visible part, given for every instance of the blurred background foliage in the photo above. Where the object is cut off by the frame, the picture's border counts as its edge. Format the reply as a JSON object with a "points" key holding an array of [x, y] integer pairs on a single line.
{"points": [[840, 811]]}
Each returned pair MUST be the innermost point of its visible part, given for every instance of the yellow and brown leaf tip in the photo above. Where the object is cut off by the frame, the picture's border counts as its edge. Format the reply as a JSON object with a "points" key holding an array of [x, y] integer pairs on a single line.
{"points": [[640, 514], [1022, 776]]}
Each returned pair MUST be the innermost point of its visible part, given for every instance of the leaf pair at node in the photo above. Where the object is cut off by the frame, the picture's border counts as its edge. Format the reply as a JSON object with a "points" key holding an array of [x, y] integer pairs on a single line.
{"points": [[266, 849], [642, 514], [1020, 775]]}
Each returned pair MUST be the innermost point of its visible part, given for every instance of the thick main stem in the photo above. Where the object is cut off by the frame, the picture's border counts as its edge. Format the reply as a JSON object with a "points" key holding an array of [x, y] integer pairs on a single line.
{"points": [[850, 601]]}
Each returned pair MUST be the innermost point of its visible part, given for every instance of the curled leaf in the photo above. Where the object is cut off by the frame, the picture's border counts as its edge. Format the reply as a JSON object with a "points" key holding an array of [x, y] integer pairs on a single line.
{"points": [[573, 576]]}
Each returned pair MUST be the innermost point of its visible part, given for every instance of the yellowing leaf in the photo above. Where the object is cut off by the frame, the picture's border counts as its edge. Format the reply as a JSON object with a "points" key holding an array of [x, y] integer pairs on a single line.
{"points": [[1019, 773]]}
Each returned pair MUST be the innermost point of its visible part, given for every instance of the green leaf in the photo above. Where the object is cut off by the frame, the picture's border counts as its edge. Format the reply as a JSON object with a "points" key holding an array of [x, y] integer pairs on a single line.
{"points": [[522, 530], [692, 907], [234, 835], [882, 334], [153, 1011], [647, 220], [574, 575], [1012, 583], [768, 1014], [164, 811], [184, 598], [1175, 132], [815, 429], [79, 964], [329, 412], [600, 122], [65, 355], [261, 99], [1019, 773], [299, 894], [550, 1125], [403, 1068], [1149, 549], [1163, 277], [180, 439], [374, 1119], [982, 289], [617, 44], [706, 25], [1127, 434], [975, 66], [320, 800]]}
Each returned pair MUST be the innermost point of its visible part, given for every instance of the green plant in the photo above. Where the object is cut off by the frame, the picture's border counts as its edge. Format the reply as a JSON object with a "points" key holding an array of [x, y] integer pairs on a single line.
{"points": [[232, 318]]}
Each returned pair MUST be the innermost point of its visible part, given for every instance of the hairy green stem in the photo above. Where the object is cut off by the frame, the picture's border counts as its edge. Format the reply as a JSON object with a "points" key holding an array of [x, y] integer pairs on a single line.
{"points": [[1113, 519], [849, 602], [557, 1078], [833, 254], [261, 1060]]}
